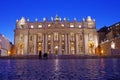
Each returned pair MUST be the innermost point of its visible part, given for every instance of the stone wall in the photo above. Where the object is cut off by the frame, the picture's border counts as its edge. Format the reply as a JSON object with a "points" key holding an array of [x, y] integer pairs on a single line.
{"points": [[105, 48]]}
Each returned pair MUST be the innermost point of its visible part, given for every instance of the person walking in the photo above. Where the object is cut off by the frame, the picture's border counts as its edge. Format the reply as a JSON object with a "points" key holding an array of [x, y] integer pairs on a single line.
{"points": [[40, 54]]}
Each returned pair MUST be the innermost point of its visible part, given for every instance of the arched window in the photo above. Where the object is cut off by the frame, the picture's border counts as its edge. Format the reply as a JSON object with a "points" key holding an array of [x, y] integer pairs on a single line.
{"points": [[56, 36]]}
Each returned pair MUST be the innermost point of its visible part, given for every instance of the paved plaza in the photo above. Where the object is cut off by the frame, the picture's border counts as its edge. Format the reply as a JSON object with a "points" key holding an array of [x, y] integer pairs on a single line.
{"points": [[60, 69]]}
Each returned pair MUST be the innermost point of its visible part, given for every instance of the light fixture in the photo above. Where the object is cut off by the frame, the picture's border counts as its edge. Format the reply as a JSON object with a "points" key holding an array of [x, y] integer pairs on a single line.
{"points": [[112, 45], [71, 25], [40, 26], [79, 26], [62, 25], [32, 26], [49, 25]]}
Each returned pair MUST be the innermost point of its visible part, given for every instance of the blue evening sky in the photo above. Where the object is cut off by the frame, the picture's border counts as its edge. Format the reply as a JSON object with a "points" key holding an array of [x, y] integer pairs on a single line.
{"points": [[105, 12]]}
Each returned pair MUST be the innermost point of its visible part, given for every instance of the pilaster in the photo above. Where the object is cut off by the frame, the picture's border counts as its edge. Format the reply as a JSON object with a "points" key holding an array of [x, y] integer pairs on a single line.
{"points": [[60, 51], [35, 38], [76, 46], [68, 43], [52, 44], [66, 52], [46, 43], [43, 43]]}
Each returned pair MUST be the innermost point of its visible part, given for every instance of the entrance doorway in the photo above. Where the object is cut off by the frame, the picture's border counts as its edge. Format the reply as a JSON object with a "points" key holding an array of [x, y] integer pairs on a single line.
{"points": [[56, 49], [91, 47], [72, 46], [39, 47], [20, 48]]}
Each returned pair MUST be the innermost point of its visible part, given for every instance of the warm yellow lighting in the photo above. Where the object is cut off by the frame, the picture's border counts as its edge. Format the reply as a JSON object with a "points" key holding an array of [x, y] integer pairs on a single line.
{"points": [[62, 25], [102, 51], [112, 45], [49, 25], [9, 53], [49, 43], [72, 43], [71, 25], [62, 42], [79, 26], [40, 26], [56, 47], [49, 36], [39, 48], [91, 44], [32, 26], [39, 43]]}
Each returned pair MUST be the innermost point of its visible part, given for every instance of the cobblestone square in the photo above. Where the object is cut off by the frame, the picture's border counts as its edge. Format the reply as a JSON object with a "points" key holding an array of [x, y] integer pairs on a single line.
{"points": [[60, 69]]}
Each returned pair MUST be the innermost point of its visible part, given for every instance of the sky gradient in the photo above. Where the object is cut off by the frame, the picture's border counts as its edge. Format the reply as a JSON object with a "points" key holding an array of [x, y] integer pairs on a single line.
{"points": [[105, 12]]}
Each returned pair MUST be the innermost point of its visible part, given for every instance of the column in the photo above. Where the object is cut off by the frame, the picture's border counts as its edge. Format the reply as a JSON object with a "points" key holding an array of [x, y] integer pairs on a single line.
{"points": [[82, 43], [66, 52], [60, 51], [76, 45], [86, 43], [25, 52], [95, 41], [68, 44], [35, 38], [43, 44], [52, 44], [46, 44]]}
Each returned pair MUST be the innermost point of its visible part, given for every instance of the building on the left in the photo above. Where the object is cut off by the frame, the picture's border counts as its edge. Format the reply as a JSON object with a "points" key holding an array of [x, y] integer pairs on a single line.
{"points": [[5, 46]]}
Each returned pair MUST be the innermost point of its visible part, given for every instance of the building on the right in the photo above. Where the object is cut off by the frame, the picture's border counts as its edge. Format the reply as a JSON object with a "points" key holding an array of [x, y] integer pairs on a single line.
{"points": [[109, 40]]}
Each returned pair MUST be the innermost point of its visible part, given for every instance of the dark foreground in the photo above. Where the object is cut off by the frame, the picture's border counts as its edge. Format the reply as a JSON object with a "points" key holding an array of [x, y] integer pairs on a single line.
{"points": [[60, 69], [52, 56]]}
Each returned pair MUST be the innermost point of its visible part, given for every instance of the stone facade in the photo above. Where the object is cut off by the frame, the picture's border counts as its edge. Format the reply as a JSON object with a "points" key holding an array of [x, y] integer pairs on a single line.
{"points": [[56, 36], [5, 46], [109, 38]]}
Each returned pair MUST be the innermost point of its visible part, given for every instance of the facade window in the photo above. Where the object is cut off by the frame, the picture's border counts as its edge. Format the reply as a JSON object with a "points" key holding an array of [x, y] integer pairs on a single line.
{"points": [[21, 26], [63, 37], [49, 37], [40, 26], [79, 26], [63, 47], [90, 37], [30, 38], [62, 25], [49, 47], [112, 45], [71, 25], [56, 36], [21, 37], [31, 49], [80, 37], [49, 25], [72, 36], [81, 49], [90, 25], [39, 36], [32, 26]]}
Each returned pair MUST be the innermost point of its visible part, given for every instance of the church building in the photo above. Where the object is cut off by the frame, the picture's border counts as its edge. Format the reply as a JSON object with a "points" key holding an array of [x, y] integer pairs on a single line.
{"points": [[56, 36]]}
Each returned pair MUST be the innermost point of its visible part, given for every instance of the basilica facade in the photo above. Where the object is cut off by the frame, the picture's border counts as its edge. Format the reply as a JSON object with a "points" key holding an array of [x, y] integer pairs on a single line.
{"points": [[56, 36]]}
